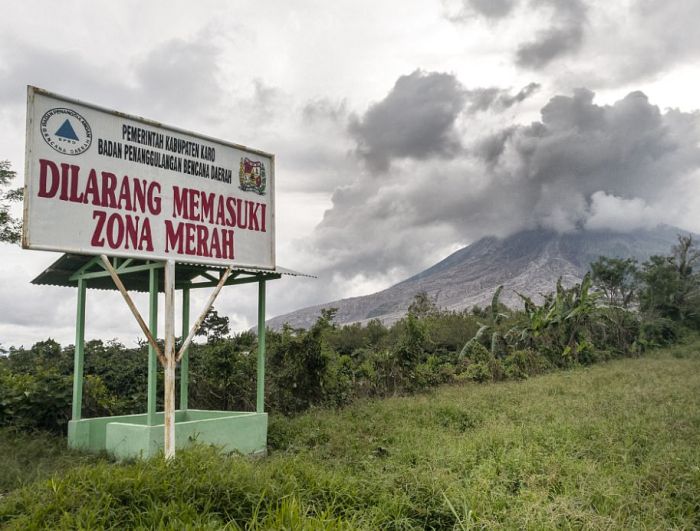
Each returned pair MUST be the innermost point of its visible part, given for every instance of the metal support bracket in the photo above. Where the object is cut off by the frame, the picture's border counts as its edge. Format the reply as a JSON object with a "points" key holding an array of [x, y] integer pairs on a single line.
{"points": [[200, 319]]}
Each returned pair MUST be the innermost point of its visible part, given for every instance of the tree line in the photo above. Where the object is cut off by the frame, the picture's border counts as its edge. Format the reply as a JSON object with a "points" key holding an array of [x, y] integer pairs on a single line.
{"points": [[621, 308]]}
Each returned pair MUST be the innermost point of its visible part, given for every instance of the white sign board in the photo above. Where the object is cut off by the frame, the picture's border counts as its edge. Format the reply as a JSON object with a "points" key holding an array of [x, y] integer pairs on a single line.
{"points": [[102, 182]]}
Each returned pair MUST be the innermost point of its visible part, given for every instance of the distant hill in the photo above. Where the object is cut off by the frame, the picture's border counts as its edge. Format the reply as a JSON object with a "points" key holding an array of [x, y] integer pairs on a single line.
{"points": [[529, 262]]}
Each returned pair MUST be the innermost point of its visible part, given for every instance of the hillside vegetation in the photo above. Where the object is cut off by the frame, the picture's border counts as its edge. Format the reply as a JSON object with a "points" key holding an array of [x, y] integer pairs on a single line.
{"points": [[619, 309], [590, 424], [616, 445]]}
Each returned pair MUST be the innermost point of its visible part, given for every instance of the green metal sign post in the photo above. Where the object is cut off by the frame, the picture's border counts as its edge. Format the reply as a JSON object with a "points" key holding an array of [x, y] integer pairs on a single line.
{"points": [[152, 357], [260, 401], [79, 356], [185, 363]]}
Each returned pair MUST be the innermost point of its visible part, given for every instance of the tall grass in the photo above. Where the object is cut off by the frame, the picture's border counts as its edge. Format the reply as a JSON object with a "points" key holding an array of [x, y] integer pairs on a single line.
{"points": [[611, 446], [27, 457]]}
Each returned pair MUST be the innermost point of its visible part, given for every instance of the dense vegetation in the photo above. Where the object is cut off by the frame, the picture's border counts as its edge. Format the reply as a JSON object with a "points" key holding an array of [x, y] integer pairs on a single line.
{"points": [[610, 446], [620, 309]]}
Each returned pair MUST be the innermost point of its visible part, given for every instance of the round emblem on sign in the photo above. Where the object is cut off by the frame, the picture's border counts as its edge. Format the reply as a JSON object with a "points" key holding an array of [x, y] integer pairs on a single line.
{"points": [[66, 131]]}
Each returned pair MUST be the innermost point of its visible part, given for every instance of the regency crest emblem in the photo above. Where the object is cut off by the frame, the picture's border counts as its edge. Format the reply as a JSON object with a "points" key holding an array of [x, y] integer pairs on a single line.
{"points": [[252, 176]]}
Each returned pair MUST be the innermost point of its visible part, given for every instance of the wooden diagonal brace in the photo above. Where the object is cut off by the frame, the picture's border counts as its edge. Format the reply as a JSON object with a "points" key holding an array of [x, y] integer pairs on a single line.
{"points": [[198, 322], [120, 286]]}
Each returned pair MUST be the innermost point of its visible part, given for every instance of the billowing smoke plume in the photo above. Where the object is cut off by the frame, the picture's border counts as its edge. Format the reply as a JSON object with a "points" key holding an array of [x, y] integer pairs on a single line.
{"points": [[583, 165]]}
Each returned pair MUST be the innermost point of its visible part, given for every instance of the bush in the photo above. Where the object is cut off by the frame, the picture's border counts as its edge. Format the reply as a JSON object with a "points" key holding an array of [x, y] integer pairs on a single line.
{"points": [[520, 364], [659, 332], [35, 401], [42, 401], [479, 364]]}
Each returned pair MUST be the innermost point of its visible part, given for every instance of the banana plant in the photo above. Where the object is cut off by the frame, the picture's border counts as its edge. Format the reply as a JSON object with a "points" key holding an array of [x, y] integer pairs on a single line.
{"points": [[496, 316], [476, 339]]}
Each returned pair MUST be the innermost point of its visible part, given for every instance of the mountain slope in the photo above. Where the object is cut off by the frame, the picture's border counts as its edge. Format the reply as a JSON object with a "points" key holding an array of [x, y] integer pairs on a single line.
{"points": [[529, 262]]}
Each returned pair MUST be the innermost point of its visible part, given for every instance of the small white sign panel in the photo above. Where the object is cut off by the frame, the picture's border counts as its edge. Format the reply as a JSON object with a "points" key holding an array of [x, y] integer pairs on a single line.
{"points": [[102, 182]]}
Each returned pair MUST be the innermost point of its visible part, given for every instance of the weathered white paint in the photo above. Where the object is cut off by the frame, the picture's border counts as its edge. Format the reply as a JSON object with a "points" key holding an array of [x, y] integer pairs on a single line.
{"points": [[169, 374]]}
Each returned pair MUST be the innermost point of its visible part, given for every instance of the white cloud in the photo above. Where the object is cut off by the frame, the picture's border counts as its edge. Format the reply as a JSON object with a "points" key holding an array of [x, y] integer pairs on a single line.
{"points": [[619, 214]]}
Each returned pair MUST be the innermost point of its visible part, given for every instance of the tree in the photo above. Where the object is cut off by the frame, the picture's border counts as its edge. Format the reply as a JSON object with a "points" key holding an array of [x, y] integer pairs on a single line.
{"points": [[685, 256], [616, 278], [422, 305], [214, 326], [10, 227], [671, 287]]}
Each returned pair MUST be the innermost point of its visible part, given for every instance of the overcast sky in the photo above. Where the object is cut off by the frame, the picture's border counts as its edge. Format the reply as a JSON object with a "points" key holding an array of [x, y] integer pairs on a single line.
{"points": [[402, 130]]}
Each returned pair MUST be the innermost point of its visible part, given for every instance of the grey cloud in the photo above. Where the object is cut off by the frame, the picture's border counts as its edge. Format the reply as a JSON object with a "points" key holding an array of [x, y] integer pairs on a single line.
{"points": [[565, 34], [647, 36], [491, 147], [658, 36], [494, 98], [181, 75], [491, 9], [570, 170], [562, 34], [521, 95], [23, 63], [175, 77], [324, 109], [415, 120], [549, 45]]}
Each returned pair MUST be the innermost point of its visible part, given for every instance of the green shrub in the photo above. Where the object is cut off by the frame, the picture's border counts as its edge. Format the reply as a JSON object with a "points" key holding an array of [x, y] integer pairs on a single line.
{"points": [[434, 371], [35, 401], [479, 372], [659, 332], [43, 400], [520, 364], [479, 364]]}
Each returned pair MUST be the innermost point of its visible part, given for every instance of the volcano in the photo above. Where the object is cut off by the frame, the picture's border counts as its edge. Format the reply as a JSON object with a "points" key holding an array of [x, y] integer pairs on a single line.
{"points": [[528, 262]]}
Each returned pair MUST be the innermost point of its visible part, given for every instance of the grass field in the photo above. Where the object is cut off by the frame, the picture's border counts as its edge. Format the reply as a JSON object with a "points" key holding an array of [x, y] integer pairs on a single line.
{"points": [[613, 446]]}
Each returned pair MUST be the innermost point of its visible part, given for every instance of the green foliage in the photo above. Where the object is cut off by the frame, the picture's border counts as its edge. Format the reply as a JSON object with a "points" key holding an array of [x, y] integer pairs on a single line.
{"points": [[223, 374], [671, 287], [411, 346], [617, 278], [332, 366], [565, 327], [659, 332], [661, 285], [422, 305], [612, 446], [299, 361], [214, 327], [479, 363], [10, 227], [26, 456], [521, 364], [35, 401], [497, 308]]}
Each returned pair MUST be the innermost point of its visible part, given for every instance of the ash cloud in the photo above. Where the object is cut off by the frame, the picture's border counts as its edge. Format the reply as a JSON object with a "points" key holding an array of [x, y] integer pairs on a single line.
{"points": [[582, 165], [415, 120]]}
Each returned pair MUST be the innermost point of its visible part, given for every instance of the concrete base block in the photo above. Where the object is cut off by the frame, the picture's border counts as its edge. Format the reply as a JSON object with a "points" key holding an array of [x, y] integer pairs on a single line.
{"points": [[129, 436]]}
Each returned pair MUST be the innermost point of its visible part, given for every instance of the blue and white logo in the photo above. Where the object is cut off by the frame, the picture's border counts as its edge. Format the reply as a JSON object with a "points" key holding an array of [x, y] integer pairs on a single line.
{"points": [[66, 131]]}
